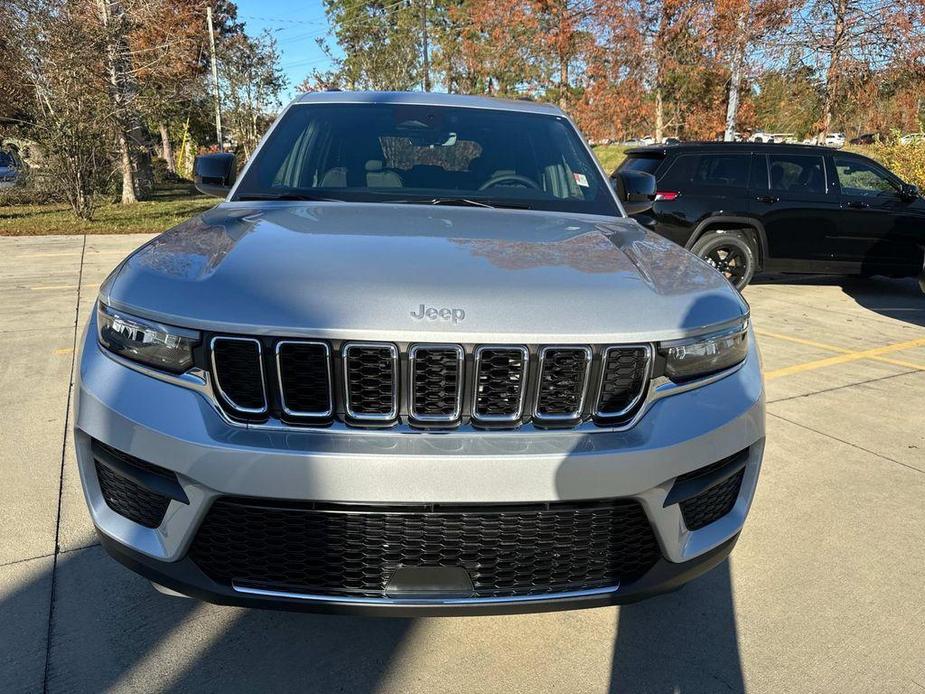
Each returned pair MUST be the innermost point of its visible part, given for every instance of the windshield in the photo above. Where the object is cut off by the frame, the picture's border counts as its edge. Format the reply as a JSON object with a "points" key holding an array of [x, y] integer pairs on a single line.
{"points": [[427, 154]]}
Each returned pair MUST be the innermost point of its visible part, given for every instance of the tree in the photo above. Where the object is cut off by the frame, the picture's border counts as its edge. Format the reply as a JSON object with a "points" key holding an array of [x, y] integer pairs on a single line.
{"points": [[741, 30], [836, 36], [380, 41], [251, 83], [63, 45]]}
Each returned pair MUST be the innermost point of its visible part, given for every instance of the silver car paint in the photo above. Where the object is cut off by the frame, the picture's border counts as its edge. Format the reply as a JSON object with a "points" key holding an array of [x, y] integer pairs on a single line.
{"points": [[358, 270], [177, 427]]}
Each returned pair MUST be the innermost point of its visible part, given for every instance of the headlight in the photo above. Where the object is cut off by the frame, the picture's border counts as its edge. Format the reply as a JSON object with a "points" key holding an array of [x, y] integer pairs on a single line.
{"points": [[706, 354], [162, 346]]}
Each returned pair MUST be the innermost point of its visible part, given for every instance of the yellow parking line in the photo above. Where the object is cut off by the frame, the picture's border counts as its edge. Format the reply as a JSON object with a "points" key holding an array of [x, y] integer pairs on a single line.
{"points": [[847, 356], [50, 287], [61, 351], [802, 341], [833, 348]]}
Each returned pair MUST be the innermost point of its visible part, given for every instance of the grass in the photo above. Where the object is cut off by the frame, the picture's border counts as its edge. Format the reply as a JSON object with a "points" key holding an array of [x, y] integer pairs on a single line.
{"points": [[610, 156], [167, 208]]}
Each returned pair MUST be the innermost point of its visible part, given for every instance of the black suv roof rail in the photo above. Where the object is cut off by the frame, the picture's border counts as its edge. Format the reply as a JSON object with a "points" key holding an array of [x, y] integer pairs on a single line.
{"points": [[718, 144]]}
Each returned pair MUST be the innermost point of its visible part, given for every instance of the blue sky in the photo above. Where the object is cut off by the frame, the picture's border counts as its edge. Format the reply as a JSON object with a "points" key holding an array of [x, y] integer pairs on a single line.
{"points": [[296, 24]]}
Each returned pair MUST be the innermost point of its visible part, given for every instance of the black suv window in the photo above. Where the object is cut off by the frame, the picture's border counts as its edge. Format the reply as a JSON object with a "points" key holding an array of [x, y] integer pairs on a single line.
{"points": [[796, 173], [644, 164], [863, 179], [707, 173]]}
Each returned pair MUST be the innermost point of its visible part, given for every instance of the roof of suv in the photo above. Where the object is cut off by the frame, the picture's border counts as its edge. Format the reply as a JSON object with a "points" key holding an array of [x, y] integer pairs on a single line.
{"points": [[427, 99], [714, 146]]}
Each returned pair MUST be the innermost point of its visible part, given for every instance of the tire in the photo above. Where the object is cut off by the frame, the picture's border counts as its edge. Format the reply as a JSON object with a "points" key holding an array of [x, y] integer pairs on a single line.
{"points": [[730, 252]]}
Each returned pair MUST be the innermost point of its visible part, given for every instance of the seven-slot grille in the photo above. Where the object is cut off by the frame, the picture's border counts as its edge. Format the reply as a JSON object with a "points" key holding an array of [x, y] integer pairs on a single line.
{"points": [[432, 384]]}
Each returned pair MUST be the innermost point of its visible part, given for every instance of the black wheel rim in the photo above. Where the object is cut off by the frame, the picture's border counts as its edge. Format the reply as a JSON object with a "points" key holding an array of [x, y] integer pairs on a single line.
{"points": [[729, 260]]}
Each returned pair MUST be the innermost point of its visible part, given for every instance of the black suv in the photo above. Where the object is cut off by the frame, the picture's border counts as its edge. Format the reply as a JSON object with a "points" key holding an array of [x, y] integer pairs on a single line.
{"points": [[746, 207]]}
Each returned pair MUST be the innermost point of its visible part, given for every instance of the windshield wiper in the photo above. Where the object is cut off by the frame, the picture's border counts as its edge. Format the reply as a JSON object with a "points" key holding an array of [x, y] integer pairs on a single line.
{"points": [[287, 196], [460, 202]]}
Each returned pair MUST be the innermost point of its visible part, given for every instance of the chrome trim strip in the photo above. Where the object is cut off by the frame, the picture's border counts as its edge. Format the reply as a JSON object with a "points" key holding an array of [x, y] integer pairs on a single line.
{"points": [[525, 353], [218, 385], [279, 377], [575, 414], [345, 354], [460, 382], [351, 600], [650, 362]]}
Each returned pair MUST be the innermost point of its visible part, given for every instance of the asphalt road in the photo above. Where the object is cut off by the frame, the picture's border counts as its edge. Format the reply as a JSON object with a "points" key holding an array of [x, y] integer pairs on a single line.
{"points": [[824, 592]]}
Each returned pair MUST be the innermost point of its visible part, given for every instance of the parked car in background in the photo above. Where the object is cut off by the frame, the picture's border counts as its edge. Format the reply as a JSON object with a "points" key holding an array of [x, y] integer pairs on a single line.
{"points": [[912, 138], [772, 137], [834, 140], [671, 141], [9, 169], [418, 361], [865, 139], [746, 208]]}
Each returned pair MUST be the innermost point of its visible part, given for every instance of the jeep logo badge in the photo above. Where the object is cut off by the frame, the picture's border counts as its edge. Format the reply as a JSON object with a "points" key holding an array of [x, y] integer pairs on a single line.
{"points": [[433, 313]]}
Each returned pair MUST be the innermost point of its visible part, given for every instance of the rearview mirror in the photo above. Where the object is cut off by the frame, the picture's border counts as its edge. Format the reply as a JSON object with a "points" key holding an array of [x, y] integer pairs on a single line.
{"points": [[636, 190], [908, 192], [214, 173]]}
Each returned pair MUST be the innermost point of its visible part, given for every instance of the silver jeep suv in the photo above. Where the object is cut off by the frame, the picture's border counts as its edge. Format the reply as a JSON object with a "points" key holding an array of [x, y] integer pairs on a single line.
{"points": [[418, 361]]}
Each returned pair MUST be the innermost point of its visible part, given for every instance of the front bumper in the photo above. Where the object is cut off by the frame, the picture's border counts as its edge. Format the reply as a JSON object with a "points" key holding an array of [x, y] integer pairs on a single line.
{"points": [[178, 429]]}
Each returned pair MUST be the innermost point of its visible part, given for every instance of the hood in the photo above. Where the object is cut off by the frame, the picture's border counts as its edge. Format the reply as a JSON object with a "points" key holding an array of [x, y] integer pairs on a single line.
{"points": [[421, 272]]}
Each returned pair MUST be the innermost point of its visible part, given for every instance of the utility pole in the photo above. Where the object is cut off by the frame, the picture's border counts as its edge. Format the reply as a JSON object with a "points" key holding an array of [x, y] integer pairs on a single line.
{"points": [[425, 58], [218, 99]]}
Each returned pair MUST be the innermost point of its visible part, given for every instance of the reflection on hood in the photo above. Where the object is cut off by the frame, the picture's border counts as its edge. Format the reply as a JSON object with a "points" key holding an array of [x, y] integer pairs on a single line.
{"points": [[588, 252], [194, 249]]}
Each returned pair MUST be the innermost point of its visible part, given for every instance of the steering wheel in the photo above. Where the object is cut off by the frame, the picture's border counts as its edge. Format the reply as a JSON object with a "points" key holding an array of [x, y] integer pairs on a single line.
{"points": [[513, 178]]}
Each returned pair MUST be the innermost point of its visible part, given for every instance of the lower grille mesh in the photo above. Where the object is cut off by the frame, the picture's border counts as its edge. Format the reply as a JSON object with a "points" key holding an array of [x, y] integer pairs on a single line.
{"points": [[128, 499], [713, 504], [507, 551]]}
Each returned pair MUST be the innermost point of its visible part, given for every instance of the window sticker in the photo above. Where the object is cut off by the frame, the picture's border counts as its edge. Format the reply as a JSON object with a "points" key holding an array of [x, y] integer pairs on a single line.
{"points": [[581, 179]]}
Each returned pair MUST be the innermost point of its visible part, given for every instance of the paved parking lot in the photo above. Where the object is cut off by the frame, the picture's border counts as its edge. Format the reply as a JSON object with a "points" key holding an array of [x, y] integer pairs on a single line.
{"points": [[824, 592]]}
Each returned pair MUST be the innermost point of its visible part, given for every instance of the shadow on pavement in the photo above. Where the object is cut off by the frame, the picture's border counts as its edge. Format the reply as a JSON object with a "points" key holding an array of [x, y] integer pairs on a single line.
{"points": [[682, 642], [899, 298], [112, 631]]}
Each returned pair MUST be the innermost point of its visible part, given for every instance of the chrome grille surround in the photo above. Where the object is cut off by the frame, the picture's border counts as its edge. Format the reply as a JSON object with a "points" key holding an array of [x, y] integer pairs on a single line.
{"points": [[379, 417], [327, 412], [576, 413], [218, 384], [414, 365], [644, 384], [482, 354]]}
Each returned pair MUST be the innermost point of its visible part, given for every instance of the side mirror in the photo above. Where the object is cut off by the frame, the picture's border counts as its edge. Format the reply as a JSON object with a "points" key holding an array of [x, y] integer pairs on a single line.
{"points": [[213, 174], [636, 190], [909, 192]]}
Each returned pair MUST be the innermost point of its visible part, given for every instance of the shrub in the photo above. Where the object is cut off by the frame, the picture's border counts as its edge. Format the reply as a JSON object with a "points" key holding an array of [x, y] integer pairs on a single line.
{"points": [[906, 161]]}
